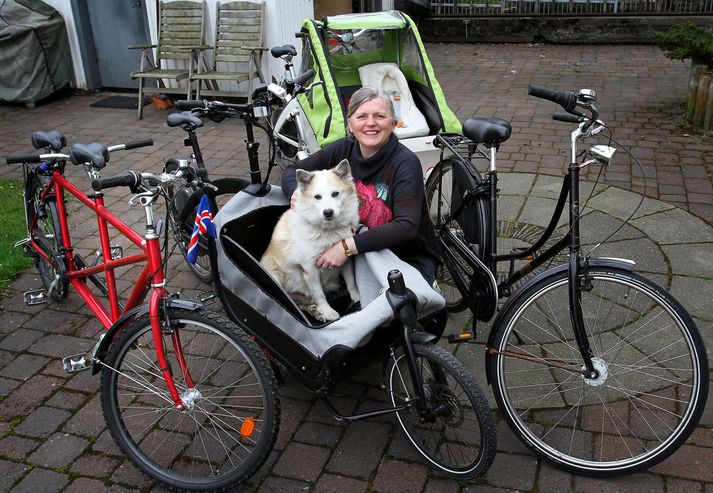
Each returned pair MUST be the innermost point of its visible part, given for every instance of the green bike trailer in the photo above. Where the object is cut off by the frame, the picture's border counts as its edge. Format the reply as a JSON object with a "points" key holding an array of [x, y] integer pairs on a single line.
{"points": [[381, 49]]}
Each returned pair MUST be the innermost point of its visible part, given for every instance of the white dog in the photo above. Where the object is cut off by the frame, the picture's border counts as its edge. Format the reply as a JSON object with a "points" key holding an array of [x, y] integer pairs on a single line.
{"points": [[325, 212]]}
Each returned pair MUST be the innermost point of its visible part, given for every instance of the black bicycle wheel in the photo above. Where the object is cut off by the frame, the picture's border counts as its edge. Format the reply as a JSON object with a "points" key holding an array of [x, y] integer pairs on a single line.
{"points": [[233, 413], [652, 373], [459, 436], [48, 235], [183, 229]]}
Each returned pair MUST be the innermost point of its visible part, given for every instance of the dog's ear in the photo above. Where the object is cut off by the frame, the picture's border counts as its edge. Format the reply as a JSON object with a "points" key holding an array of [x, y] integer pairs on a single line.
{"points": [[343, 170], [304, 178]]}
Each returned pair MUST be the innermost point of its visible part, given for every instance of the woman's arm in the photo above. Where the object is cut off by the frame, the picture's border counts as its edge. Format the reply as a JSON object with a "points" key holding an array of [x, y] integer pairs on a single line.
{"points": [[408, 194]]}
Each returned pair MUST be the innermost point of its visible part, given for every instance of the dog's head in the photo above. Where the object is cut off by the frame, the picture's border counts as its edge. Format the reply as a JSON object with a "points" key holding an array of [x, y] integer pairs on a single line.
{"points": [[328, 197]]}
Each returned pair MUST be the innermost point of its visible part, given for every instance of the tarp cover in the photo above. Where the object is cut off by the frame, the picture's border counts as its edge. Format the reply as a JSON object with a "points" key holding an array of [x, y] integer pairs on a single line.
{"points": [[35, 60]]}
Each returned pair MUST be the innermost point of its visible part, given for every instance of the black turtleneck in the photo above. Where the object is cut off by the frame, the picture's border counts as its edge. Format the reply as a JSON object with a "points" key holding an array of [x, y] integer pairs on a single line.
{"points": [[391, 199]]}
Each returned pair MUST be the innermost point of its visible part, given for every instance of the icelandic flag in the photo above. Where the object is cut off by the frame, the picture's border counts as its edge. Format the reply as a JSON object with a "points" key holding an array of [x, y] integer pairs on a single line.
{"points": [[202, 225]]}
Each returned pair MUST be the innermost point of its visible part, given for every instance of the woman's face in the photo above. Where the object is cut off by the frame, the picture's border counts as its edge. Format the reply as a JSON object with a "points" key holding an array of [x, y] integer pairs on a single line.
{"points": [[372, 125]]}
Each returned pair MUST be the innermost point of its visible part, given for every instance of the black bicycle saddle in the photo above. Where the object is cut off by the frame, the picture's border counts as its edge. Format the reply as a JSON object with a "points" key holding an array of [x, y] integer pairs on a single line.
{"points": [[488, 131], [178, 119], [279, 51], [54, 139], [95, 154]]}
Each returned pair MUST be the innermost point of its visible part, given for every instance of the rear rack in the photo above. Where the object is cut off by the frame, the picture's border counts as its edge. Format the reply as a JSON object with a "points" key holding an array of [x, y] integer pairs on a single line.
{"points": [[459, 144]]}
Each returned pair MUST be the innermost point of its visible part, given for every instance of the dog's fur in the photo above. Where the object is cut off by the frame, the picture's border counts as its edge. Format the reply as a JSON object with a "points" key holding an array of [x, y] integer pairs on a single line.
{"points": [[325, 212]]}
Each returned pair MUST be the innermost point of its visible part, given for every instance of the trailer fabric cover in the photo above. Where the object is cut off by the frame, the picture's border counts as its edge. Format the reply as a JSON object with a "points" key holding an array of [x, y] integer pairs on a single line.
{"points": [[35, 60], [371, 269]]}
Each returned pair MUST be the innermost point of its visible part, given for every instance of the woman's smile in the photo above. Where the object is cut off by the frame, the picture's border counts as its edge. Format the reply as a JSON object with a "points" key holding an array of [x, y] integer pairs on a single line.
{"points": [[372, 125]]}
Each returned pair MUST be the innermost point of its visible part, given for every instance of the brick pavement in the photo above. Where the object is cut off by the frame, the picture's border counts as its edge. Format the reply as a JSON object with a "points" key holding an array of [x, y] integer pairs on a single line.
{"points": [[52, 435]]}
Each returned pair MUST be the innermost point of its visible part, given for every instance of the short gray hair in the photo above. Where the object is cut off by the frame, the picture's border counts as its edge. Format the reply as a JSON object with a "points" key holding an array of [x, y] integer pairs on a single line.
{"points": [[365, 94]]}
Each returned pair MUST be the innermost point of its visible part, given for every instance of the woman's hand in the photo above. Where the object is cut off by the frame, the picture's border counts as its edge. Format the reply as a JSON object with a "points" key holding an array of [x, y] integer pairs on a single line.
{"points": [[335, 256]]}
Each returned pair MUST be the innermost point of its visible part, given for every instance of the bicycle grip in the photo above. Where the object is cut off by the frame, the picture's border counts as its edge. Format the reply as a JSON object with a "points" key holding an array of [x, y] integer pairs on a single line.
{"points": [[138, 143], [28, 158], [396, 283], [567, 118], [304, 77], [189, 104], [566, 99], [126, 179]]}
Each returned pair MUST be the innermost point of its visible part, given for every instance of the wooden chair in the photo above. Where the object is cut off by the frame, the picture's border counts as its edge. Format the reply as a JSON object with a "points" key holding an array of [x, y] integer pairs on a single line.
{"points": [[180, 38], [238, 39]]}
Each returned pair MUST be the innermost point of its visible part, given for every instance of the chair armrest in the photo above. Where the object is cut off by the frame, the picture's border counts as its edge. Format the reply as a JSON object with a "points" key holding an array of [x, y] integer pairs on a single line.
{"points": [[142, 47]]}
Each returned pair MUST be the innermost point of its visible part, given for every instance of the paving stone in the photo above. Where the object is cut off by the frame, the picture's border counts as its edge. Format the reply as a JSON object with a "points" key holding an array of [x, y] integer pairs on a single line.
{"points": [[59, 346], [683, 486], [55, 321], [550, 479], [441, 486], [26, 397], [10, 472], [512, 471], [20, 339], [14, 447], [282, 485], [67, 400], [674, 226], [292, 414], [689, 462], [330, 483], [359, 450], [634, 483], [11, 320], [58, 451], [88, 421], [86, 485], [105, 444], [7, 385], [95, 466], [318, 434], [42, 480], [24, 366], [412, 477], [42, 422], [300, 461], [127, 475]]}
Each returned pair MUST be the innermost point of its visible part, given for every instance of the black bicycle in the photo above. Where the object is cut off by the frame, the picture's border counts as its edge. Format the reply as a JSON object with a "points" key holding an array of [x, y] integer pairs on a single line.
{"points": [[594, 367]]}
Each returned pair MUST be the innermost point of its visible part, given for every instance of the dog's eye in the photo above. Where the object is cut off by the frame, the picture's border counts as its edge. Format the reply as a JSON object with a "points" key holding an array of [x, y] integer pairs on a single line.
{"points": [[318, 197], [335, 194]]}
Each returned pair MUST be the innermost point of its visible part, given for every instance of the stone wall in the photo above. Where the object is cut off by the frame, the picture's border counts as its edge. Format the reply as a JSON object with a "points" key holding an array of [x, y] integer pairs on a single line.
{"points": [[552, 29]]}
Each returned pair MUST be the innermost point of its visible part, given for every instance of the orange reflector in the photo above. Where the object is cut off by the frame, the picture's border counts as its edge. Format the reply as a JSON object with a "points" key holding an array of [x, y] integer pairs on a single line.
{"points": [[247, 428]]}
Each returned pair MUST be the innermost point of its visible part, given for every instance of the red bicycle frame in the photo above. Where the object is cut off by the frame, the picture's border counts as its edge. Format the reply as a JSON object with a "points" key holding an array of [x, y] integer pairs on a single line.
{"points": [[151, 277]]}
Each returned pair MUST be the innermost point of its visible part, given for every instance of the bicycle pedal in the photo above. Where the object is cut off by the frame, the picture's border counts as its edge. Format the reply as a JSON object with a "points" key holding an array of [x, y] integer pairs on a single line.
{"points": [[76, 363], [464, 336], [35, 297]]}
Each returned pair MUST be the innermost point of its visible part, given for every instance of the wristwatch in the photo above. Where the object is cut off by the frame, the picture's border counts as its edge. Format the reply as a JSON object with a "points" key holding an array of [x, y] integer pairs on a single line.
{"points": [[347, 251]]}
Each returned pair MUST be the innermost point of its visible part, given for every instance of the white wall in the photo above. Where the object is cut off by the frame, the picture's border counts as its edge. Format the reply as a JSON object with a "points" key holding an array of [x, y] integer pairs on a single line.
{"points": [[283, 18]]}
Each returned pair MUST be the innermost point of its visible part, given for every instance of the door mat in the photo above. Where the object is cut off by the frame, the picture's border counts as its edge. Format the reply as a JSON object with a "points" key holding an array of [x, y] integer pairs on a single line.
{"points": [[125, 102]]}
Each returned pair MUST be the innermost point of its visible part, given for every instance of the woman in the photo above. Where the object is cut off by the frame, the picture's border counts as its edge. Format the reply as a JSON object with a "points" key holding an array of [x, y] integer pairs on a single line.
{"points": [[389, 182]]}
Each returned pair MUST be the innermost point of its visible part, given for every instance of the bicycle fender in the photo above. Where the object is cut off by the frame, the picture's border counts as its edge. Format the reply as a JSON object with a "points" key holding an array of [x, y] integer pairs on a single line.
{"points": [[112, 332], [617, 263], [419, 337]]}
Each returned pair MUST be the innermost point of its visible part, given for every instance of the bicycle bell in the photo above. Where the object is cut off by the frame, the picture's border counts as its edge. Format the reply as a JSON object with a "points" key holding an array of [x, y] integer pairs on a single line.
{"points": [[587, 95]]}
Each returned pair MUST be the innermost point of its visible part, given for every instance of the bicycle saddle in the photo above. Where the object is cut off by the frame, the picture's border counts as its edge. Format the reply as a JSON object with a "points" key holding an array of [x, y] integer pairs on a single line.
{"points": [[178, 119], [279, 51], [54, 139], [95, 154], [488, 131]]}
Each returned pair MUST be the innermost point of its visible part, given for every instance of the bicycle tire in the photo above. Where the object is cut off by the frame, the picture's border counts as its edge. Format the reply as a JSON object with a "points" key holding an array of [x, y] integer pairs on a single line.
{"points": [[48, 234], [465, 427], [183, 230], [456, 267], [229, 428], [652, 364]]}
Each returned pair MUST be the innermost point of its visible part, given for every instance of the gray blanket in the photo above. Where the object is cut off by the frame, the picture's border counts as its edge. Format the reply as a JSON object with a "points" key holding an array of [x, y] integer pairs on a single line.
{"points": [[352, 330]]}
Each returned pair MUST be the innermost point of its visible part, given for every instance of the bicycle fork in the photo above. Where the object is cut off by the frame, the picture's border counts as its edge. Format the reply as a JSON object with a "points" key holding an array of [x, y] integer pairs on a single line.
{"points": [[576, 275]]}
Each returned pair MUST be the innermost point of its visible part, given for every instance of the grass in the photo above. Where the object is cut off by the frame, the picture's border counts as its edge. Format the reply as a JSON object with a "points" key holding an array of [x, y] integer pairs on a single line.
{"points": [[13, 229]]}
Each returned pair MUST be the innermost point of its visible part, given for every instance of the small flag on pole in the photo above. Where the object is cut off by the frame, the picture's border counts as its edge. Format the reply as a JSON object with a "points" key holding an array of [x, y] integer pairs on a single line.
{"points": [[203, 225]]}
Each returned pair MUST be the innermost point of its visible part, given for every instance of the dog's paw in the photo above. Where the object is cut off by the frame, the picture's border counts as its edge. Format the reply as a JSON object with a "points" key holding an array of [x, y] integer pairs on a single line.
{"points": [[326, 314]]}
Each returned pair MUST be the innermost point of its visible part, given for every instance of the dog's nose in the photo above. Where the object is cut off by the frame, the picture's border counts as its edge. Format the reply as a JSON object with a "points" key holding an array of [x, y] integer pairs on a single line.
{"points": [[328, 213]]}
